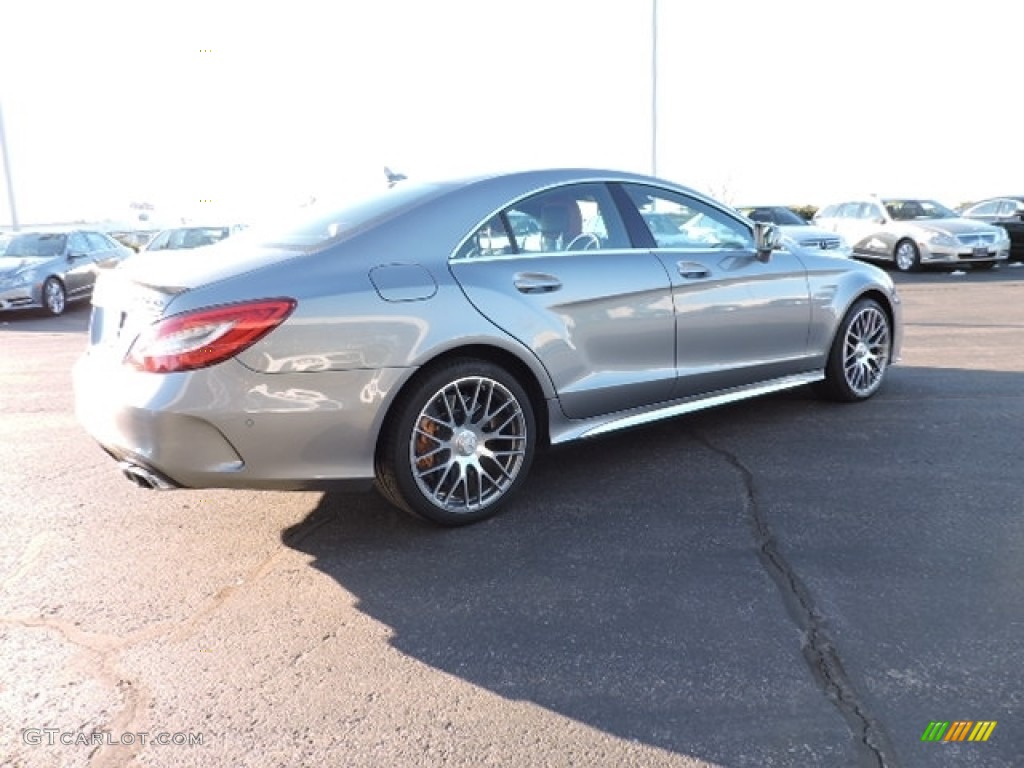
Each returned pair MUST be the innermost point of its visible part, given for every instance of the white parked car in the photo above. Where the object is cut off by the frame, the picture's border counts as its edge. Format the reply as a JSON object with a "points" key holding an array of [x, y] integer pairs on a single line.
{"points": [[797, 233], [913, 233]]}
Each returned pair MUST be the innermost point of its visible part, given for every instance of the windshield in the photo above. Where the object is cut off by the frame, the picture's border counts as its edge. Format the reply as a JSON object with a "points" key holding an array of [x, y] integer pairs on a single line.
{"points": [[661, 224], [323, 223], [35, 245], [774, 215], [909, 210]]}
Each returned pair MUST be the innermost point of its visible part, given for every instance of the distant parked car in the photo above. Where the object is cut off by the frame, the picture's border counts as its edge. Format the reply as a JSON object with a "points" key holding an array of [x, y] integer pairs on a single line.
{"points": [[1006, 212], [135, 239], [797, 232], [189, 237], [50, 269], [914, 233]]}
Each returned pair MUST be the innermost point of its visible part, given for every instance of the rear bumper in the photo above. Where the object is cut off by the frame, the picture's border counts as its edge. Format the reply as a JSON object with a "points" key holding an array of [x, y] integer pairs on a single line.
{"points": [[230, 427]]}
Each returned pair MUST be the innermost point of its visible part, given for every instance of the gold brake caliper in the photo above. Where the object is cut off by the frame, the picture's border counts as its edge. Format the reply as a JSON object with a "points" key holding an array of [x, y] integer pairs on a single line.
{"points": [[424, 443]]}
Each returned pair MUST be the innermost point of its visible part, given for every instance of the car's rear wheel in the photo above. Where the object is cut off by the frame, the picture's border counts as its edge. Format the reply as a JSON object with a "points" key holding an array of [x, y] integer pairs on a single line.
{"points": [[54, 298], [907, 255], [859, 357], [458, 443]]}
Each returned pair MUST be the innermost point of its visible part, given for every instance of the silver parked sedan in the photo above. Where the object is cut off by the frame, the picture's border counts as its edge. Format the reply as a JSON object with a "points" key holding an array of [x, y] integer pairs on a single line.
{"points": [[432, 337], [913, 233], [50, 269]]}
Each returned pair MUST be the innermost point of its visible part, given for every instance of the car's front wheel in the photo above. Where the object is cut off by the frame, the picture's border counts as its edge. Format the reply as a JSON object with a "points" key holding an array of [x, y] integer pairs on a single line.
{"points": [[907, 255], [458, 443], [54, 298], [859, 357]]}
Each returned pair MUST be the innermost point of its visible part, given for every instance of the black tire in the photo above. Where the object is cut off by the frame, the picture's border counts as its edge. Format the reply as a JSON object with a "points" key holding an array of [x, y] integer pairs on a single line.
{"points": [[457, 443], [859, 357], [907, 256], [55, 300]]}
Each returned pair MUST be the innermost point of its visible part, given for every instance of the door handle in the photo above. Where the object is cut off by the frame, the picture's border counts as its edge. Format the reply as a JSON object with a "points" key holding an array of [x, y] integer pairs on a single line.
{"points": [[691, 270], [536, 282]]}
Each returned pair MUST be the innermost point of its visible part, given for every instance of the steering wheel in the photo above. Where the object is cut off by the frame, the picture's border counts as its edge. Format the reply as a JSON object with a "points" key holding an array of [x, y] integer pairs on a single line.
{"points": [[591, 241]]}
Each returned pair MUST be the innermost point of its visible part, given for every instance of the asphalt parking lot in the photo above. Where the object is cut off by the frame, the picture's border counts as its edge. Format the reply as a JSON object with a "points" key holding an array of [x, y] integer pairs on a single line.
{"points": [[785, 582]]}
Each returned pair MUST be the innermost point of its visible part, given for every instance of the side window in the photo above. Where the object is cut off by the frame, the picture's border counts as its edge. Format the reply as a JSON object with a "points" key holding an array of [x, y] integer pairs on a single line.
{"points": [[98, 242], [491, 239], [680, 222], [176, 239], [1007, 208], [848, 210], [580, 217], [871, 211], [159, 243], [78, 244]]}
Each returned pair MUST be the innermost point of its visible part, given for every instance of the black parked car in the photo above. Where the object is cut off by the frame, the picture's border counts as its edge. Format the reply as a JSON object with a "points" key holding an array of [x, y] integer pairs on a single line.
{"points": [[1006, 212]]}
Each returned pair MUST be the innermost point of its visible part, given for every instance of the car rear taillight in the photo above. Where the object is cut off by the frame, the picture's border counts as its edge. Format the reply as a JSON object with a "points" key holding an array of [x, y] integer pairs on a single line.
{"points": [[205, 337]]}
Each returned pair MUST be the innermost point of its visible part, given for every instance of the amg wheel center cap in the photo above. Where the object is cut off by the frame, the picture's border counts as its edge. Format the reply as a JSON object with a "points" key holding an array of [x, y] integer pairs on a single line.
{"points": [[465, 443], [862, 351]]}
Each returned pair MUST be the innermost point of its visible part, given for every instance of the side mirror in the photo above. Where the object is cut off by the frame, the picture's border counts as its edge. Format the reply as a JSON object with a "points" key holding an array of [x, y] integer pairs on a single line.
{"points": [[74, 255], [767, 238]]}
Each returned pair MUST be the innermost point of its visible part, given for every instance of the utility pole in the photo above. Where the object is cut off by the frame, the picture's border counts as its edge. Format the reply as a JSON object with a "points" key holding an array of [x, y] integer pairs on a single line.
{"points": [[7, 172], [654, 87]]}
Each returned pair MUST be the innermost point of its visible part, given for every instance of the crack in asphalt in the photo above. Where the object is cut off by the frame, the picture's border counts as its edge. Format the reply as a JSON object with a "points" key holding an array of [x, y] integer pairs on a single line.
{"points": [[106, 648], [304, 529], [819, 650]]}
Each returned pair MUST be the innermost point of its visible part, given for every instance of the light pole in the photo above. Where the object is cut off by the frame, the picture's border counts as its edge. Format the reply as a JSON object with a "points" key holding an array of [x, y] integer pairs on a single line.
{"points": [[7, 172], [654, 87]]}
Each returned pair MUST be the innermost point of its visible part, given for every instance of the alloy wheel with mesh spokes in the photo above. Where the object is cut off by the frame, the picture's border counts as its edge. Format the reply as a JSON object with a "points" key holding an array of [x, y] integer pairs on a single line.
{"points": [[459, 445], [54, 299], [860, 353], [907, 256]]}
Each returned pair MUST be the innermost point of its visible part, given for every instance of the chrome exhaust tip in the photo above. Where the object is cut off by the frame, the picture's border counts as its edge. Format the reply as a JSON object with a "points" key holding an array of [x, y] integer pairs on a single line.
{"points": [[145, 478]]}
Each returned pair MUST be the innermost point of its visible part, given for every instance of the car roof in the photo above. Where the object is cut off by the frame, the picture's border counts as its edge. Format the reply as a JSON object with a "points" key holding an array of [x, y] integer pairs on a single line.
{"points": [[512, 184]]}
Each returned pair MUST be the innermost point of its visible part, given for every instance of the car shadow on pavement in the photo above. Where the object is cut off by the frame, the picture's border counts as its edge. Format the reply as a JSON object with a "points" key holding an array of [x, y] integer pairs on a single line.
{"points": [[624, 587], [621, 588]]}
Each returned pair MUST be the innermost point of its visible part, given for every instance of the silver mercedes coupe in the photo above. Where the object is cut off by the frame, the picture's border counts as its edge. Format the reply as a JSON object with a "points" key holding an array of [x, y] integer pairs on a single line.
{"points": [[434, 336]]}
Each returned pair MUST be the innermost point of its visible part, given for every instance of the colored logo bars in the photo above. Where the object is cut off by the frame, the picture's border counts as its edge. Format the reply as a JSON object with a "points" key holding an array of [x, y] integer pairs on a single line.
{"points": [[959, 730]]}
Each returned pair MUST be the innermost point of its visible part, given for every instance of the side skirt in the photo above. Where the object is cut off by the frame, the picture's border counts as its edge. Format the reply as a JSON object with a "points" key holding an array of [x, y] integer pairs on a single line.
{"points": [[563, 430]]}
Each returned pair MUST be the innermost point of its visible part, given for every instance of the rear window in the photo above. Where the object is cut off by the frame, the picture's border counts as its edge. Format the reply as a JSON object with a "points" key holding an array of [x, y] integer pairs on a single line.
{"points": [[323, 223]]}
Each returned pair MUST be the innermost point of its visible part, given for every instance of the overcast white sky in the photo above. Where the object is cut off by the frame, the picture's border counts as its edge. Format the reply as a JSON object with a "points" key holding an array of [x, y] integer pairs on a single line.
{"points": [[257, 104]]}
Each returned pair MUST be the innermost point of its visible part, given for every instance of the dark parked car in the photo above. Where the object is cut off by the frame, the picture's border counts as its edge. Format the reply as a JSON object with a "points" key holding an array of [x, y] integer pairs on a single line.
{"points": [[50, 269], [435, 336], [1006, 212]]}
